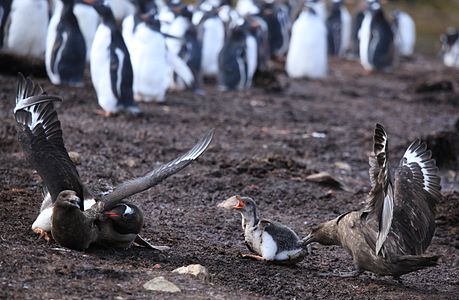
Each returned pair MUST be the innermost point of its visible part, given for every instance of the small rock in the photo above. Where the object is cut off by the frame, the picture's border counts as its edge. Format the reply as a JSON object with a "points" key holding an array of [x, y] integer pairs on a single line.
{"points": [[130, 162], [75, 157], [196, 270], [328, 180], [161, 284]]}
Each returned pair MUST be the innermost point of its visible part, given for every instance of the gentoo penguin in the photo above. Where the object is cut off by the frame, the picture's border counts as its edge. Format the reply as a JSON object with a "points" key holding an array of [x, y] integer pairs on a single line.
{"points": [[391, 233], [65, 55], [233, 60], [88, 20], [267, 240], [28, 24], [277, 18], [307, 54], [450, 47], [339, 29], [212, 33], [40, 135], [376, 39], [153, 62], [356, 24], [405, 33], [111, 69], [191, 54]]}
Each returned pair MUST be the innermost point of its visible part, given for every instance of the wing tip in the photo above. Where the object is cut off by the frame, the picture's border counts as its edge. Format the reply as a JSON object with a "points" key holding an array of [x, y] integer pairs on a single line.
{"points": [[28, 93]]}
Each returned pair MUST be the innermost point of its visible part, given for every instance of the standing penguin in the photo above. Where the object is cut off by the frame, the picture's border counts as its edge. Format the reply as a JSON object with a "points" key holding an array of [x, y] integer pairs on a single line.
{"points": [[376, 39], [278, 20], [26, 34], [339, 29], [233, 60], [65, 55], [307, 54], [111, 69], [405, 33], [153, 63]]}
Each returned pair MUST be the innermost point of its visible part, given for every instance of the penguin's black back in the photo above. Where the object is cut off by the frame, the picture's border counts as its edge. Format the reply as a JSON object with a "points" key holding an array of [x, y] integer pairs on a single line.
{"points": [[68, 56], [381, 48], [234, 49], [121, 73], [334, 30], [270, 13], [356, 28]]}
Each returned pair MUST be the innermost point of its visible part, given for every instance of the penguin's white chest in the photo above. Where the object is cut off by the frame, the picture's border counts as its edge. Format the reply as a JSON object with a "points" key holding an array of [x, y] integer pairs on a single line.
{"points": [[261, 242], [364, 46], [307, 54], [88, 21], [151, 71], [212, 43], [100, 69], [28, 27]]}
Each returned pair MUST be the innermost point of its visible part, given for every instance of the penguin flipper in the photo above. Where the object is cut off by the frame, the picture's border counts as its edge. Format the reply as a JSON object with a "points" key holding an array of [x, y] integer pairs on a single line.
{"points": [[180, 67]]}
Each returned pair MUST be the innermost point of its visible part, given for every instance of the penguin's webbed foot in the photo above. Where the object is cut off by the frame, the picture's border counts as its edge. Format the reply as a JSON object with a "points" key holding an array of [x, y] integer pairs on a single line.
{"points": [[104, 113], [42, 234], [251, 256]]}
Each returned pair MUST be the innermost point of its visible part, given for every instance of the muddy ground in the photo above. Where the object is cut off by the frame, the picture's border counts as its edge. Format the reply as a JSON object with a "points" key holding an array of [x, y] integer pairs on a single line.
{"points": [[267, 141]]}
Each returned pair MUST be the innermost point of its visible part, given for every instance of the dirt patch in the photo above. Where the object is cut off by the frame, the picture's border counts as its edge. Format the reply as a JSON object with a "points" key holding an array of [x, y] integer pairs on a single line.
{"points": [[267, 141]]}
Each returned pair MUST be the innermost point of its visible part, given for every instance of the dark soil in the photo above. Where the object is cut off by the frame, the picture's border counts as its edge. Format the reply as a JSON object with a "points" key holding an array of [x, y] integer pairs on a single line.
{"points": [[266, 144]]}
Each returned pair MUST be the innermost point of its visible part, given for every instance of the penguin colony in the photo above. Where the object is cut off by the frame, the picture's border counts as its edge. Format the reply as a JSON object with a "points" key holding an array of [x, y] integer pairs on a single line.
{"points": [[136, 52]]}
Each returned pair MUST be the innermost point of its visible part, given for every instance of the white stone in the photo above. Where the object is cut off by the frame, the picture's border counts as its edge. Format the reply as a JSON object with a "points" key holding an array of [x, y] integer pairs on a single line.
{"points": [[161, 284]]}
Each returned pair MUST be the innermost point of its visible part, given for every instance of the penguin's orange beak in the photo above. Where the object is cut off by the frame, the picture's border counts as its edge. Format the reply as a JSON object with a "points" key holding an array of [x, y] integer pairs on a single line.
{"points": [[240, 202]]}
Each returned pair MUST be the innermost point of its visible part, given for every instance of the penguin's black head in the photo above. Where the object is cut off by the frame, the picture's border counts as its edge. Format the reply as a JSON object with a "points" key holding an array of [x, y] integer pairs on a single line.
{"points": [[69, 199], [450, 37], [126, 218]]}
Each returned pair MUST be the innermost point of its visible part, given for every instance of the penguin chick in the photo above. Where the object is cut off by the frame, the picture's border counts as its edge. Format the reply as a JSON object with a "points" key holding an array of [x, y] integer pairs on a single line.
{"points": [[269, 241], [391, 233]]}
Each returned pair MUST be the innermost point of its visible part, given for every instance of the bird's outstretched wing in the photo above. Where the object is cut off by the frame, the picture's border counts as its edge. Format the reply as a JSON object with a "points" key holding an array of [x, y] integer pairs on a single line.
{"points": [[417, 191], [380, 202], [154, 177], [40, 134]]}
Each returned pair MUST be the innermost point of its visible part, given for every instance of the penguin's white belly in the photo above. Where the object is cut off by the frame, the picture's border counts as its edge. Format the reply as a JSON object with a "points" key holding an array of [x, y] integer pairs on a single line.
{"points": [[364, 46], [268, 247], [177, 29], [406, 34], [346, 30], [43, 220], [128, 32], [307, 55], [88, 21], [151, 71], [288, 254], [252, 58], [100, 70], [28, 28], [212, 44]]}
